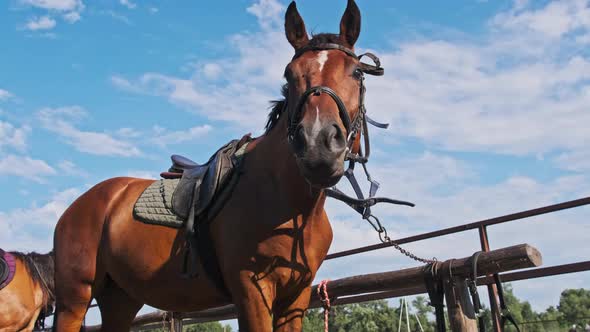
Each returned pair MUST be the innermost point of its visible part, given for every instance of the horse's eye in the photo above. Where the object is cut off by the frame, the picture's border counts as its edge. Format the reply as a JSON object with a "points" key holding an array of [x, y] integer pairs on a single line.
{"points": [[357, 74]]}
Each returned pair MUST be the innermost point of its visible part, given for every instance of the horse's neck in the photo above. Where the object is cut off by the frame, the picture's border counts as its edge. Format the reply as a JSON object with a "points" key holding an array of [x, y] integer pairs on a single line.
{"points": [[275, 163]]}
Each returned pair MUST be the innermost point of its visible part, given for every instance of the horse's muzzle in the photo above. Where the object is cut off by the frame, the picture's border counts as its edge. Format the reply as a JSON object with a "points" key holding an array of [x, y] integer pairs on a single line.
{"points": [[320, 153]]}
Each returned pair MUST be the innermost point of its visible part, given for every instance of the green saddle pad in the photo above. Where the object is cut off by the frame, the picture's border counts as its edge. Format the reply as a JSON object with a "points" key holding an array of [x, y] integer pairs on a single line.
{"points": [[154, 206]]}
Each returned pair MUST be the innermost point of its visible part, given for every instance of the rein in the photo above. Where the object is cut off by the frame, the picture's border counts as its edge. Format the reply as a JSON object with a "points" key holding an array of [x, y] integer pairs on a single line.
{"points": [[355, 127]]}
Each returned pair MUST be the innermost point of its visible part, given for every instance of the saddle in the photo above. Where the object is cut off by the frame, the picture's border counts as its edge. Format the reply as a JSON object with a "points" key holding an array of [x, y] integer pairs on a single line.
{"points": [[199, 184], [7, 268], [4, 269], [200, 195]]}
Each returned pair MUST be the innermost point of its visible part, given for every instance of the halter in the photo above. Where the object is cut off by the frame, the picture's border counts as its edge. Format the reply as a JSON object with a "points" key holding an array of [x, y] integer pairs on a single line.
{"points": [[354, 127]]}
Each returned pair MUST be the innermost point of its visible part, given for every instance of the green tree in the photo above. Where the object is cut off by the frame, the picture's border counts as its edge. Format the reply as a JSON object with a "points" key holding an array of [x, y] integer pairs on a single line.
{"points": [[551, 320], [521, 311], [204, 327], [423, 311], [574, 307], [207, 327], [375, 316]]}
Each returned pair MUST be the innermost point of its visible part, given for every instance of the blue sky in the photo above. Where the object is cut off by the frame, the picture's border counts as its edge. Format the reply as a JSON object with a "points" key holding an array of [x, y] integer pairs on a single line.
{"points": [[487, 100]]}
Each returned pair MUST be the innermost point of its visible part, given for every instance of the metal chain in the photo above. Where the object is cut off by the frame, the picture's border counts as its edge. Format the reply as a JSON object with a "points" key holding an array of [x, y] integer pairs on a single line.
{"points": [[386, 239]]}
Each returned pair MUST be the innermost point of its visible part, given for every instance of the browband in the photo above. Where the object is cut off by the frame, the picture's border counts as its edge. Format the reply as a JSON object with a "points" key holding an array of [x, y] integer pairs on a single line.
{"points": [[375, 70]]}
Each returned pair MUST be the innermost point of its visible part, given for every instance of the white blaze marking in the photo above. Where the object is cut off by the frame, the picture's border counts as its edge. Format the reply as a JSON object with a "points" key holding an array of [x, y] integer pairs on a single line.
{"points": [[322, 58], [317, 126]]}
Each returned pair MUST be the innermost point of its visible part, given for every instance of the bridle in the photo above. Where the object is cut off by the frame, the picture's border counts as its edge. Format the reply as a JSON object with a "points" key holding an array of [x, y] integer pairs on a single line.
{"points": [[354, 127]]}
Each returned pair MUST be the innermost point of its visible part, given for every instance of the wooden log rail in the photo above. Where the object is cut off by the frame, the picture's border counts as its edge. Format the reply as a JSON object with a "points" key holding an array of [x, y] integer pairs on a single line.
{"points": [[393, 283]]}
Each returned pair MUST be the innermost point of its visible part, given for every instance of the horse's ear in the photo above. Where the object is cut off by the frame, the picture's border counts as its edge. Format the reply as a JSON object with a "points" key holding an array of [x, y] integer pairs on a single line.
{"points": [[350, 24], [295, 28]]}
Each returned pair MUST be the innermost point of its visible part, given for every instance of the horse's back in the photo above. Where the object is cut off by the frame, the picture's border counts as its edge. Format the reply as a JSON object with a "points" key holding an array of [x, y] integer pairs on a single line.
{"points": [[92, 208], [79, 231]]}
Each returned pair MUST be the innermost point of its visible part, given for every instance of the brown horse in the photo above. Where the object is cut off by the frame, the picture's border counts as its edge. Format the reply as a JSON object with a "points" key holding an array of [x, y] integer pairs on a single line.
{"points": [[272, 234], [30, 293]]}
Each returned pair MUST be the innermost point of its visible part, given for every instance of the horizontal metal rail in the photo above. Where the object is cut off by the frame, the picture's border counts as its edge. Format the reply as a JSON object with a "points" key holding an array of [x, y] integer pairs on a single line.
{"points": [[465, 227]]}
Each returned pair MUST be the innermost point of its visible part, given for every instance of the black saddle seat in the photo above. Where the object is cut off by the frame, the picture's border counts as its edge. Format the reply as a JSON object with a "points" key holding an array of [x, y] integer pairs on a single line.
{"points": [[182, 163], [200, 184]]}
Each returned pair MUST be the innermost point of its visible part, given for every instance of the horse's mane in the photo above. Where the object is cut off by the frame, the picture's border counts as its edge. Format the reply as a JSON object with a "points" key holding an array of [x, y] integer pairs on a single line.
{"points": [[277, 106], [41, 269]]}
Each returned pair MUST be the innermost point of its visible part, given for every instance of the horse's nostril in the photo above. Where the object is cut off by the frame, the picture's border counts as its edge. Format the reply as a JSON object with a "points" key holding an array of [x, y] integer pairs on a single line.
{"points": [[334, 138]]}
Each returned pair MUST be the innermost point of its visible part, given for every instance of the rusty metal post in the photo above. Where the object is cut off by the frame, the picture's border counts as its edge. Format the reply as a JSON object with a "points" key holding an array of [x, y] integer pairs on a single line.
{"points": [[492, 290]]}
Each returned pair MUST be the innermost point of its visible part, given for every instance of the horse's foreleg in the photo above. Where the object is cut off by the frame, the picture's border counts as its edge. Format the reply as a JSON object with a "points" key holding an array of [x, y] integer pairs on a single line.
{"points": [[254, 300], [117, 309], [289, 317]]}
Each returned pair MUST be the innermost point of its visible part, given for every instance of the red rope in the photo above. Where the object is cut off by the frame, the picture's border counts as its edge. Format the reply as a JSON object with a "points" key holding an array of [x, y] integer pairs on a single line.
{"points": [[325, 299]]}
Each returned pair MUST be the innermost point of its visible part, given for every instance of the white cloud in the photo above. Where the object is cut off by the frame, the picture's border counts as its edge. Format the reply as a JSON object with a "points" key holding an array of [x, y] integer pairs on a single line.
{"points": [[31, 228], [212, 70], [4, 95], [116, 16], [251, 79], [521, 89], [26, 167], [268, 12], [70, 10], [153, 10], [69, 168], [143, 174], [128, 4], [58, 120], [41, 23], [57, 5], [164, 137], [553, 20], [11, 136], [574, 161], [72, 17], [128, 133]]}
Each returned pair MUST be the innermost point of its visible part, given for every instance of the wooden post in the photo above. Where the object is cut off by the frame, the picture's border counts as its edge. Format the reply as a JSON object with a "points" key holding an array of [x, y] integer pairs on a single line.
{"points": [[459, 307], [175, 322]]}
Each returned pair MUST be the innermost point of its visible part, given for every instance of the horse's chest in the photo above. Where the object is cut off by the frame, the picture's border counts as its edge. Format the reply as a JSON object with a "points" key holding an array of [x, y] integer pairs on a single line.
{"points": [[293, 253]]}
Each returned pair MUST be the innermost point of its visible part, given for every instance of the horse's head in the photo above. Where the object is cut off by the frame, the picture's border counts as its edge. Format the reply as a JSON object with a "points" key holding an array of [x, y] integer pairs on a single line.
{"points": [[324, 82]]}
